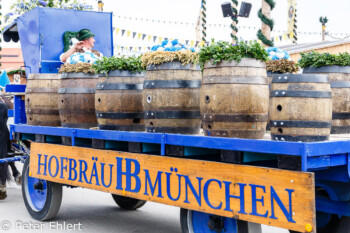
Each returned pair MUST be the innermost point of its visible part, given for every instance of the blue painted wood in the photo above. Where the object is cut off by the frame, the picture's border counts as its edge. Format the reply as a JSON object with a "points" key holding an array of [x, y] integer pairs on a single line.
{"points": [[16, 88], [339, 174], [10, 113], [326, 161], [19, 110], [333, 207]]}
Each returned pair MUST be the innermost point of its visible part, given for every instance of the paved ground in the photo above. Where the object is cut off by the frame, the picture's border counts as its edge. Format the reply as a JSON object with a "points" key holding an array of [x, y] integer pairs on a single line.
{"points": [[92, 211]]}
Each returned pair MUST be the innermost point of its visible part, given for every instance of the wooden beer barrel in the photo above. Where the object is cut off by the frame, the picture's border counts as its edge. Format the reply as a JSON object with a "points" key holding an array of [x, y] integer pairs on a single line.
{"points": [[339, 77], [171, 98], [76, 101], [234, 99], [118, 101], [41, 100], [301, 108]]}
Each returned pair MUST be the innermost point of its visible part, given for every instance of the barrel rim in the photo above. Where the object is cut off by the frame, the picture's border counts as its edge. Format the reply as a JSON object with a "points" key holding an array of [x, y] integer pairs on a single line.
{"points": [[300, 78], [48, 76], [78, 75], [327, 69], [175, 65], [245, 62], [123, 73]]}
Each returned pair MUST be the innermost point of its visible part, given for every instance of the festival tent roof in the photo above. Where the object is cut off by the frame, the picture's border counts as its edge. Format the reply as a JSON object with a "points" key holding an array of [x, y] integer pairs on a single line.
{"points": [[333, 47]]}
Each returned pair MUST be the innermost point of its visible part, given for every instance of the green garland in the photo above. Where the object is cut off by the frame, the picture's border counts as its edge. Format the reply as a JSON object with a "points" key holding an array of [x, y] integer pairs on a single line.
{"points": [[204, 19], [264, 39], [266, 21], [234, 20], [295, 36]]}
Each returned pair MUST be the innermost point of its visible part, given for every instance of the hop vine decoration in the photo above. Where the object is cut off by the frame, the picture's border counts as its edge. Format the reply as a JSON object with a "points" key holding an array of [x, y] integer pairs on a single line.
{"points": [[266, 21], [204, 20], [234, 21]]}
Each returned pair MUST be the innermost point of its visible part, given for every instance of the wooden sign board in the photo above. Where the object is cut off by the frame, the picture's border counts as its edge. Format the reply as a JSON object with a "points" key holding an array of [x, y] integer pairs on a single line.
{"points": [[262, 195]]}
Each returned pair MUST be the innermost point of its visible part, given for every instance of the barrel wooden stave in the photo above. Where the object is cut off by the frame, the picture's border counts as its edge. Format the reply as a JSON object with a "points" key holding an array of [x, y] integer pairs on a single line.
{"points": [[228, 99], [77, 100], [340, 96], [41, 100], [178, 106], [309, 111], [117, 101]]}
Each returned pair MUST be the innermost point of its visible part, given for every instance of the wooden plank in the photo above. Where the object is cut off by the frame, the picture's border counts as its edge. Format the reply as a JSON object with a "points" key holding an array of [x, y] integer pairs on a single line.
{"points": [[198, 185]]}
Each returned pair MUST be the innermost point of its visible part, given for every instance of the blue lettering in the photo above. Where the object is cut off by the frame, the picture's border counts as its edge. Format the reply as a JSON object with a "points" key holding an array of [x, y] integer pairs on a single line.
{"points": [[274, 196], [82, 172], [94, 173], [168, 186], [57, 166], [42, 164], [128, 175], [229, 196], [103, 174], [205, 193], [72, 168], [197, 195], [63, 167], [153, 187], [255, 200]]}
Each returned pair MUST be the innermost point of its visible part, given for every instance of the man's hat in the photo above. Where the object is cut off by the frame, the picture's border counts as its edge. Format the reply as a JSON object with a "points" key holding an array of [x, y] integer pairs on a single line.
{"points": [[84, 34]]}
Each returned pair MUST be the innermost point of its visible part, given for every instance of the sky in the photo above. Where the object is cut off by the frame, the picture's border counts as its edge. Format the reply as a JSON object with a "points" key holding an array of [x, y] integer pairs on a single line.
{"points": [[186, 11]]}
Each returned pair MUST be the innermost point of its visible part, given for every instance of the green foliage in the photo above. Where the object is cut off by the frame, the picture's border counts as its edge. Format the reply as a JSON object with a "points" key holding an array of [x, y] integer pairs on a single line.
{"points": [[106, 64], [316, 59], [224, 51]]}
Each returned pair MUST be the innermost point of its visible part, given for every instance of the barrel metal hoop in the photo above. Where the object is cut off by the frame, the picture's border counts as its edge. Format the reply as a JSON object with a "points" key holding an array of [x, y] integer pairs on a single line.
{"points": [[119, 115], [172, 84], [78, 75], [76, 90], [340, 84], [173, 66], [300, 78], [301, 138], [234, 80], [340, 116], [244, 63], [177, 130], [119, 86], [42, 111], [47, 123], [301, 124], [123, 73], [123, 127], [83, 126], [41, 90], [172, 114], [327, 69], [340, 129], [302, 94], [228, 133], [234, 118]]}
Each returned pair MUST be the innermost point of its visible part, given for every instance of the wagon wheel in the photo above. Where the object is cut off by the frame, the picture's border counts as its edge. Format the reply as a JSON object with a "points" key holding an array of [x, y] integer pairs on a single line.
{"points": [[42, 198], [128, 203], [195, 222]]}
